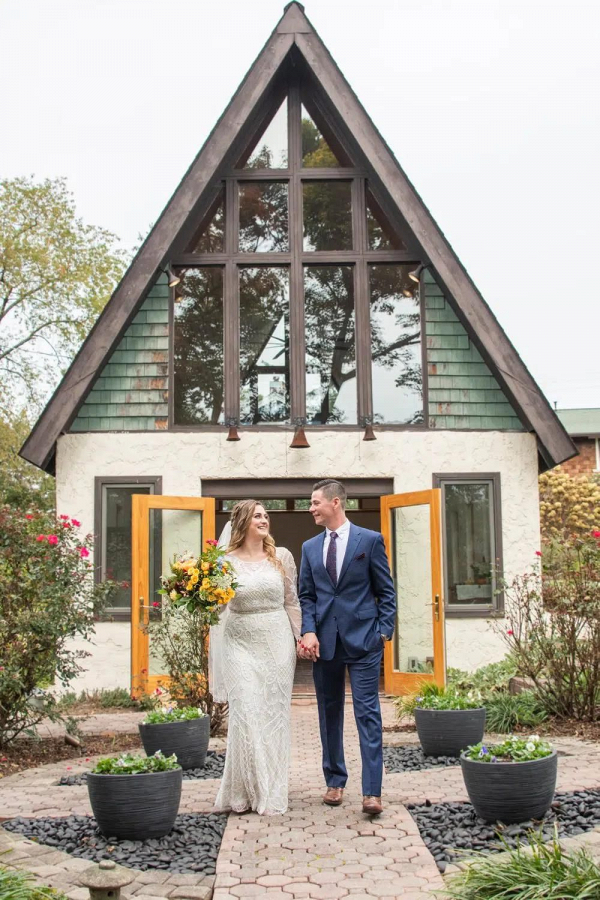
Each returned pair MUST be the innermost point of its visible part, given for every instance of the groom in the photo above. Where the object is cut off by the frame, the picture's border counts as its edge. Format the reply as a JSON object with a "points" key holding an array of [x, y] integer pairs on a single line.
{"points": [[348, 612]]}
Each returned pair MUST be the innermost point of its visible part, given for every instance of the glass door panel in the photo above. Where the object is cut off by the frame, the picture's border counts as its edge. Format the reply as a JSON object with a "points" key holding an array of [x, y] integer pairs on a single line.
{"points": [[410, 524], [161, 528]]}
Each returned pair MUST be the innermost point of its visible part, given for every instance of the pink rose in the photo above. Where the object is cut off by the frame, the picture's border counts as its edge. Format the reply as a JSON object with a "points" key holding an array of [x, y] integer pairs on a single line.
{"points": [[509, 632], [75, 523], [212, 543], [64, 518], [29, 517], [84, 552], [596, 534], [41, 537], [52, 539], [155, 604]]}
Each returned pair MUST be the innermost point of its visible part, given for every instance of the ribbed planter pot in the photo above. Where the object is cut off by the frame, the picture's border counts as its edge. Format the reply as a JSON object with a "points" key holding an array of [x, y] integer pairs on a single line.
{"points": [[187, 740], [510, 792], [447, 732], [135, 807]]}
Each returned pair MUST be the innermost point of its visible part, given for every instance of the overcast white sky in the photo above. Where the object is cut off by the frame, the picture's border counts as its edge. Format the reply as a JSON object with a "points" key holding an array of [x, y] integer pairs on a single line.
{"points": [[491, 107]]}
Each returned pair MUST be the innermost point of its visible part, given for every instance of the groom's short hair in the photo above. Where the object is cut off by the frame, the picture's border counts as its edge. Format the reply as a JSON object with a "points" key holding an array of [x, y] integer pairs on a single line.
{"points": [[332, 488]]}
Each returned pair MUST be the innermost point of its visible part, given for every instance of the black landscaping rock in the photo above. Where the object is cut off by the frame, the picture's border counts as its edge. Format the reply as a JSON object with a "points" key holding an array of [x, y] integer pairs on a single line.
{"points": [[452, 831], [213, 768], [190, 848], [410, 758]]}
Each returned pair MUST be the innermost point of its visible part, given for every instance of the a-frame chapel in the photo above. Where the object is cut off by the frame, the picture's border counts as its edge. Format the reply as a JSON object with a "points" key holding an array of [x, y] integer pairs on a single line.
{"points": [[294, 314]]}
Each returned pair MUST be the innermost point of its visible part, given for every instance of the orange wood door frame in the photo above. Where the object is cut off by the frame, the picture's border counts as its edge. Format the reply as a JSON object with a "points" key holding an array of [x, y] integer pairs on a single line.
{"points": [[141, 602], [408, 682]]}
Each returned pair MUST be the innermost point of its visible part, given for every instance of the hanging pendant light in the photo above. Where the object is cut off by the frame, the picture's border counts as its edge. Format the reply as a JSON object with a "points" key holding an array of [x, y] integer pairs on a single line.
{"points": [[299, 440], [232, 434], [415, 275], [369, 434]]}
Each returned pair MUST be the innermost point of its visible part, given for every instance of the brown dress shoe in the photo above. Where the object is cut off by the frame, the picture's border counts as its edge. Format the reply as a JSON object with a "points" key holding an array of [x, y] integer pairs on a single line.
{"points": [[333, 796], [372, 806]]}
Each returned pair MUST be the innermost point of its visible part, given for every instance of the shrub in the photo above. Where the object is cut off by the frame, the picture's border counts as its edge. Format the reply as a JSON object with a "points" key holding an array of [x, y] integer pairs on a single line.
{"points": [[171, 714], [569, 507], [537, 871], [431, 696], [504, 712], [21, 886], [129, 764], [513, 749], [48, 597], [487, 680], [180, 638], [552, 626]]}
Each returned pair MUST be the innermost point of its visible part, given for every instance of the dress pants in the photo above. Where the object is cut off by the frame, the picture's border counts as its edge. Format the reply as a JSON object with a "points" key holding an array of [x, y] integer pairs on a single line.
{"points": [[329, 677]]}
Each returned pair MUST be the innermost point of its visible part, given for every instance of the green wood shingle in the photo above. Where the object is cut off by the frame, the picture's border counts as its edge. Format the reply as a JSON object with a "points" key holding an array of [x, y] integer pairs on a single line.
{"points": [[463, 393]]}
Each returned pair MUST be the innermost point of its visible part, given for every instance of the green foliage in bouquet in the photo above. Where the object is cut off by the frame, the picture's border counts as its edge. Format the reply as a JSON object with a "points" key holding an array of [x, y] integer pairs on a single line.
{"points": [[200, 584]]}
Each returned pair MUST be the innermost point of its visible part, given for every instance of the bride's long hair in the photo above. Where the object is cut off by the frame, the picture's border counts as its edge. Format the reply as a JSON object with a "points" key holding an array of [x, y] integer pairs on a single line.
{"points": [[241, 516]]}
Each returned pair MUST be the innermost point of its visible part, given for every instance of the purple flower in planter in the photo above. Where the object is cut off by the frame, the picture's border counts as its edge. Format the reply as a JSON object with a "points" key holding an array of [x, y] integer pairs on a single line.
{"points": [[484, 751]]}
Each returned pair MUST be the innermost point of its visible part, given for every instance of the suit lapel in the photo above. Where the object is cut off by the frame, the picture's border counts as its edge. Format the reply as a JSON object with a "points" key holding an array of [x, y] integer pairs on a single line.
{"points": [[353, 542]]}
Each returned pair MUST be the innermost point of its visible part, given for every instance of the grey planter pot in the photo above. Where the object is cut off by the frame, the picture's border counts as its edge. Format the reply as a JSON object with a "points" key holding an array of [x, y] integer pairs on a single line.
{"points": [[187, 740], [511, 792], [447, 732], [135, 807]]}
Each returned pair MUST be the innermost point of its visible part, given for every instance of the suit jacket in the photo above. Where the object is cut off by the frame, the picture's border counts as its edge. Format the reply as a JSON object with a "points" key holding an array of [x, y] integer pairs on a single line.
{"points": [[361, 606]]}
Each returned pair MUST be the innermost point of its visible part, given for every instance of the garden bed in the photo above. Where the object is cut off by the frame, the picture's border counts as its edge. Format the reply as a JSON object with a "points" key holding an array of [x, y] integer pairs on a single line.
{"points": [[213, 768], [452, 831], [410, 758], [28, 753], [190, 848]]}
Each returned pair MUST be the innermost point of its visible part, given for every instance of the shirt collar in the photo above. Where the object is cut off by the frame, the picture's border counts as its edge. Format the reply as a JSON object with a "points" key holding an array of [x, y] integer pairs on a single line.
{"points": [[341, 531]]}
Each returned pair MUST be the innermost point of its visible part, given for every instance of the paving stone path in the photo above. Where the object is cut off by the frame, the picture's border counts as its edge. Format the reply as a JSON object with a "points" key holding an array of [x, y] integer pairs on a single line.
{"points": [[313, 851]]}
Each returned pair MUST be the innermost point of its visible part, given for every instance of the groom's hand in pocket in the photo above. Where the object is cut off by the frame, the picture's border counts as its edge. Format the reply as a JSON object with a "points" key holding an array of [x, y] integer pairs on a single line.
{"points": [[310, 644]]}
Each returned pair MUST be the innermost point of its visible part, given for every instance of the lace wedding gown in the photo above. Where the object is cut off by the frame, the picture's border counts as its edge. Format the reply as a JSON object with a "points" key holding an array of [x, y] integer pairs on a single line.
{"points": [[259, 660]]}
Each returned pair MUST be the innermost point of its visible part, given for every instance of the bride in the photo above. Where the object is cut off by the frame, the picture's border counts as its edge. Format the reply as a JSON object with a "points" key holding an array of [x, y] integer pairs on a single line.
{"points": [[253, 659]]}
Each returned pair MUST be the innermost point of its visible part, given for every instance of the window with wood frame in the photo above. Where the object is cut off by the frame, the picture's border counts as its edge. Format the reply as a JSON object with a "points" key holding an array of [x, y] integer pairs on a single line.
{"points": [[297, 302]]}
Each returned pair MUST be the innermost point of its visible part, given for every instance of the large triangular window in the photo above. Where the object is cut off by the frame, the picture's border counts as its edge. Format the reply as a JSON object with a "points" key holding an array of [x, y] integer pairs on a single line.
{"points": [[298, 302]]}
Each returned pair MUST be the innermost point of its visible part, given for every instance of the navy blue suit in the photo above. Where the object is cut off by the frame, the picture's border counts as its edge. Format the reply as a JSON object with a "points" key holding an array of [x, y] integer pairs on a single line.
{"points": [[349, 619]]}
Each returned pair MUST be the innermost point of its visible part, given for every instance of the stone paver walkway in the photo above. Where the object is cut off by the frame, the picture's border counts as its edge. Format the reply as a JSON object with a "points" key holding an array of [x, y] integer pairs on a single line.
{"points": [[313, 851]]}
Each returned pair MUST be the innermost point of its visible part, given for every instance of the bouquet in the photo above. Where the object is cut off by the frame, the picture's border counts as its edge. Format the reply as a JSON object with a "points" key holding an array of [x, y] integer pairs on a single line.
{"points": [[200, 584]]}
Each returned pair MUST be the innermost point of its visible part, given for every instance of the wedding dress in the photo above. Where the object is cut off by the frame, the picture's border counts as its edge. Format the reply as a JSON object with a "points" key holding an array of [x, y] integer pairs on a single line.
{"points": [[258, 660]]}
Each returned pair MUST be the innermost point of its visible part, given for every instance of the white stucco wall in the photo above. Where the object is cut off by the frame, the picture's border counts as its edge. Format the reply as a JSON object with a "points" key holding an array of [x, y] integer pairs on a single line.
{"points": [[410, 458]]}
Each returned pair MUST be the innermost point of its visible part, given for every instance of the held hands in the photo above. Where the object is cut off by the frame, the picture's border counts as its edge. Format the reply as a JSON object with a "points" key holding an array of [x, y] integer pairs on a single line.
{"points": [[308, 646]]}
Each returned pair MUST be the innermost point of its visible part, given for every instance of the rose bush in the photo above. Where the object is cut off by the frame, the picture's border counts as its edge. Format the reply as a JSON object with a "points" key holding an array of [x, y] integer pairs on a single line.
{"points": [[47, 598]]}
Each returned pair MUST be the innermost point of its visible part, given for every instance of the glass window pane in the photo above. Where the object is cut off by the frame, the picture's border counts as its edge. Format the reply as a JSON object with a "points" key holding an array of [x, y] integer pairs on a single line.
{"points": [[396, 346], [330, 345], [271, 150], [470, 542], [116, 538], [327, 211], [198, 347], [380, 233], [411, 570], [316, 152], [264, 345], [263, 217], [210, 237]]}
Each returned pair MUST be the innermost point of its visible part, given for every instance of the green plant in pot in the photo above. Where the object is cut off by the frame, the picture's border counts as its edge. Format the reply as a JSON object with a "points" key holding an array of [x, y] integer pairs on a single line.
{"points": [[510, 782], [447, 721], [180, 731], [135, 797]]}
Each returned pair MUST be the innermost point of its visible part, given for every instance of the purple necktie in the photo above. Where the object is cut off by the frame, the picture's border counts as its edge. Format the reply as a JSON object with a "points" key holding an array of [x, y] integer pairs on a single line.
{"points": [[331, 561]]}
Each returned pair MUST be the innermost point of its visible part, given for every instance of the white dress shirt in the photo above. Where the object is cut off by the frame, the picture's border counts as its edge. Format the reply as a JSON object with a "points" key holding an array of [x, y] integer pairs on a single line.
{"points": [[343, 533]]}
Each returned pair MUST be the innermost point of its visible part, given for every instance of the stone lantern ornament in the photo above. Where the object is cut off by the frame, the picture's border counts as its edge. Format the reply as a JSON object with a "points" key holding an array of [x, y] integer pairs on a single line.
{"points": [[105, 880]]}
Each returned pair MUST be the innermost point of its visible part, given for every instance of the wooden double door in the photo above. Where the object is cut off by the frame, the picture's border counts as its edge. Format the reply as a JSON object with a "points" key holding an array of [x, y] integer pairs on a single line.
{"points": [[411, 527]]}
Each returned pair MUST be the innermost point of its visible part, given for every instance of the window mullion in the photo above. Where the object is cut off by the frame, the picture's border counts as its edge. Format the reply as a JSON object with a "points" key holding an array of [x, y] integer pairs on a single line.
{"points": [[297, 339], [231, 310], [361, 293]]}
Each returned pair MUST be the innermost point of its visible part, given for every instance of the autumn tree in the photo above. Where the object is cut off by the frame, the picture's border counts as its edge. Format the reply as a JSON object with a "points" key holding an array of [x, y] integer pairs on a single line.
{"points": [[569, 506]]}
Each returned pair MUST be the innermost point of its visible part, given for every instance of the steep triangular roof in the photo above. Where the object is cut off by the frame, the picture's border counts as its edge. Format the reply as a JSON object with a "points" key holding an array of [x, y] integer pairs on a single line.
{"points": [[294, 40]]}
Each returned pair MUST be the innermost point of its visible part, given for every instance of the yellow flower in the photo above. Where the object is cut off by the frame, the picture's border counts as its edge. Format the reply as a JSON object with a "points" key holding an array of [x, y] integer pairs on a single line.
{"points": [[189, 585], [205, 583], [194, 579], [195, 571], [173, 595], [230, 593], [205, 566]]}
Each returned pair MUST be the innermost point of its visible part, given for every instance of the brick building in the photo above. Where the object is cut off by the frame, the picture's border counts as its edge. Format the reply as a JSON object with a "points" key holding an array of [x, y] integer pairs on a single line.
{"points": [[583, 426]]}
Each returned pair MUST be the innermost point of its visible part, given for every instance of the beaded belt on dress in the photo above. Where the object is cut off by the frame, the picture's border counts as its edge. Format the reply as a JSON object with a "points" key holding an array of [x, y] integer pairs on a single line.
{"points": [[253, 612]]}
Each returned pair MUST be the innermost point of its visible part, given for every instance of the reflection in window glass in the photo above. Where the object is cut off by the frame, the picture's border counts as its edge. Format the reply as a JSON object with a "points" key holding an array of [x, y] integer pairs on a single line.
{"points": [[396, 346], [271, 151], [267, 504], [327, 211], [470, 542], [316, 152], [264, 345], [263, 217], [198, 347], [330, 345], [116, 539], [210, 237], [380, 233]]}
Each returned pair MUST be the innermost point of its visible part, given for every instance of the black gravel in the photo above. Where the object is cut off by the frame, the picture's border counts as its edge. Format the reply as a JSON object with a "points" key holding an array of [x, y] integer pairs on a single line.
{"points": [[410, 758], [190, 848], [213, 768], [453, 830]]}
